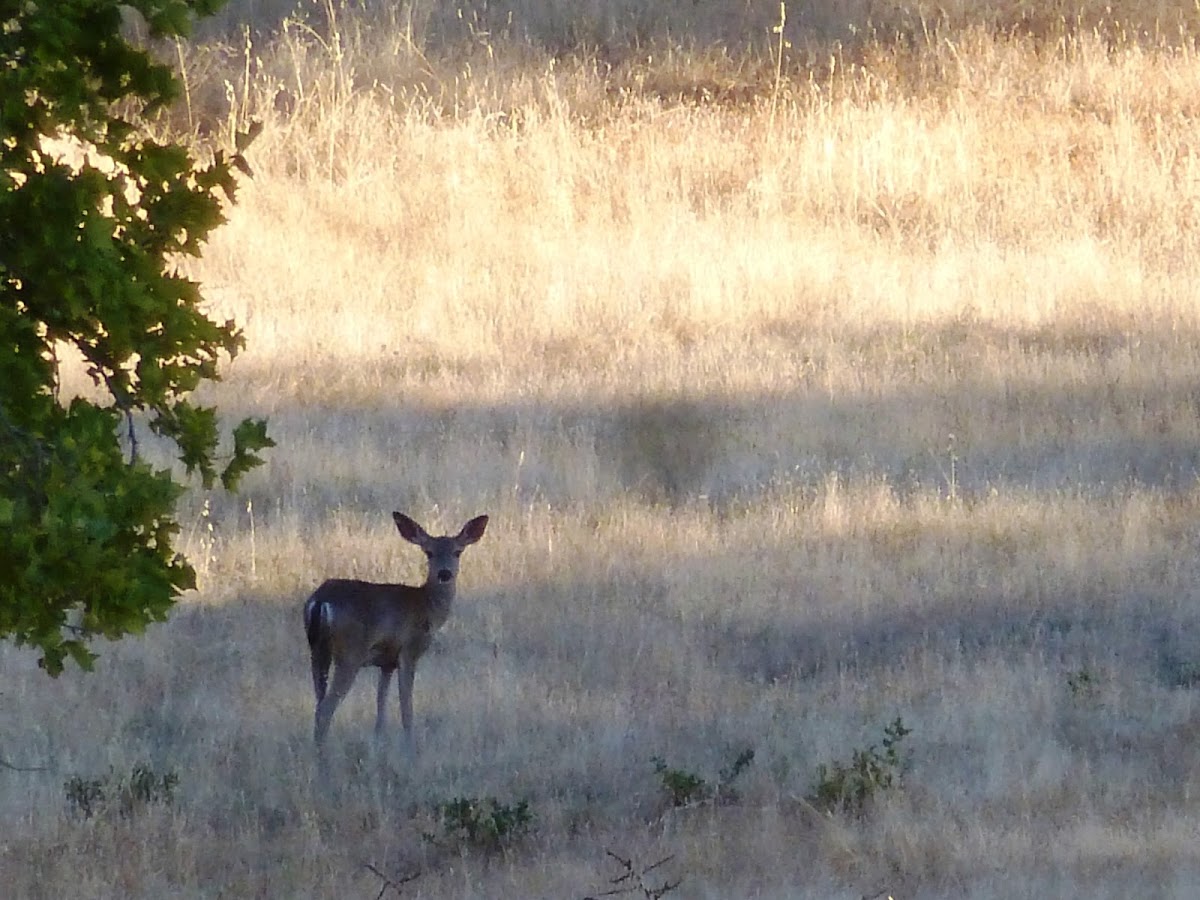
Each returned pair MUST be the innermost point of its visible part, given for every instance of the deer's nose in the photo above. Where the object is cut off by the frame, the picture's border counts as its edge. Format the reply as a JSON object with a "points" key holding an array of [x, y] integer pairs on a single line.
{"points": [[445, 574]]}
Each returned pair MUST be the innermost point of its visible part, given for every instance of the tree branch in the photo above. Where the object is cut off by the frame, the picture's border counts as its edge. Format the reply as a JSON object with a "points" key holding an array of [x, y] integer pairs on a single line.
{"points": [[633, 880], [13, 767], [389, 882], [36, 445], [107, 370], [132, 435]]}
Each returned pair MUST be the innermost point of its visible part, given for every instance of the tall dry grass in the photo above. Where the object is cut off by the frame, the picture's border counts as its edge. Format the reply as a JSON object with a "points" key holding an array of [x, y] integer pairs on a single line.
{"points": [[797, 407]]}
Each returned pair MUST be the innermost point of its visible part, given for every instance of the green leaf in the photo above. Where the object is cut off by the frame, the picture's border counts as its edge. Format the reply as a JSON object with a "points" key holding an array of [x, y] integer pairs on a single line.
{"points": [[250, 435], [80, 654], [243, 139]]}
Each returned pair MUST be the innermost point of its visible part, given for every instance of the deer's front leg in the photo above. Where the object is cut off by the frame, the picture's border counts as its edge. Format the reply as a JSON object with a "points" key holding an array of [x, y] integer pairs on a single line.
{"points": [[408, 669], [385, 678]]}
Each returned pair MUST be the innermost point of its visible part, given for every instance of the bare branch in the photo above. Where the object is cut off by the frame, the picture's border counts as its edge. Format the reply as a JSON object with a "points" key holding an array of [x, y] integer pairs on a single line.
{"points": [[638, 886], [12, 767], [392, 883], [653, 866], [626, 864]]}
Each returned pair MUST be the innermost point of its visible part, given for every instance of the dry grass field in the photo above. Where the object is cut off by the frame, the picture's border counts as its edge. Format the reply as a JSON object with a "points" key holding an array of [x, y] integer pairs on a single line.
{"points": [[808, 386]]}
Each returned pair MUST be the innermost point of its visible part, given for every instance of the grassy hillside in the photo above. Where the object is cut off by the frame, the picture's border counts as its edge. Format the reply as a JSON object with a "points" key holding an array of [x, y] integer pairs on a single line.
{"points": [[809, 385]]}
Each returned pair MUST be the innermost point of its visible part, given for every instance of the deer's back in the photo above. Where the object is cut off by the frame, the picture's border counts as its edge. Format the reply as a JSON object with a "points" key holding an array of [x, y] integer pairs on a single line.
{"points": [[375, 621]]}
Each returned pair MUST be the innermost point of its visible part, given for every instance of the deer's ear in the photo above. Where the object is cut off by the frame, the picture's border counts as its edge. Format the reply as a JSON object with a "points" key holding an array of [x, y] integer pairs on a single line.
{"points": [[409, 530], [473, 530]]}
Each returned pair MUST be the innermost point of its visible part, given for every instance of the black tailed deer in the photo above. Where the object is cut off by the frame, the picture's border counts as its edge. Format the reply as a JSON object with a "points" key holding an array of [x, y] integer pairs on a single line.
{"points": [[355, 624]]}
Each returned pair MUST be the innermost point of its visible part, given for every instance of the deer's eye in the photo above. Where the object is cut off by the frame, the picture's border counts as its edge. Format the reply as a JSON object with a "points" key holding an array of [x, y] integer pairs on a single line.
{"points": [[457, 553], [429, 554]]}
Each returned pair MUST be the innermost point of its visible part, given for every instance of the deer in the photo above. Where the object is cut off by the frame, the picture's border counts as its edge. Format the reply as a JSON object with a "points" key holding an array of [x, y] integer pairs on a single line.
{"points": [[352, 625]]}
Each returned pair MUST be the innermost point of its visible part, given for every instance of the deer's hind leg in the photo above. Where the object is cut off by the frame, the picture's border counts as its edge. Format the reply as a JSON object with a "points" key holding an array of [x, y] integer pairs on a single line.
{"points": [[385, 679], [343, 679]]}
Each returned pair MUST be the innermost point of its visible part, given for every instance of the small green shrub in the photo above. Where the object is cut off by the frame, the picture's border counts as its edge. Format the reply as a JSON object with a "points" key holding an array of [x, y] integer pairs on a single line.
{"points": [[120, 794], [469, 823], [849, 787], [740, 763], [1083, 685], [85, 796], [683, 787], [1183, 673]]}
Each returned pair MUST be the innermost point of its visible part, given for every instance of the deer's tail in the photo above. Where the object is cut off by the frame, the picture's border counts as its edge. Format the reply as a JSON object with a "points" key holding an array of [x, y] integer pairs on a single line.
{"points": [[318, 615]]}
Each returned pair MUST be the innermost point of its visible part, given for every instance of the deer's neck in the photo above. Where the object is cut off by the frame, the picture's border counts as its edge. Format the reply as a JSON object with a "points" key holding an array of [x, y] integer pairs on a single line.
{"points": [[440, 596]]}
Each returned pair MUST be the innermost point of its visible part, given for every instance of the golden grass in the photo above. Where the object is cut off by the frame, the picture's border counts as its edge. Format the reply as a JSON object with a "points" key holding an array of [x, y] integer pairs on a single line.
{"points": [[794, 412]]}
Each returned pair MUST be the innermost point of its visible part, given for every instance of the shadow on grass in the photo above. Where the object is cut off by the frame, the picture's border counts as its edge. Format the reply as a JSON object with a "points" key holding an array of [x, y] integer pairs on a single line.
{"points": [[1084, 413]]}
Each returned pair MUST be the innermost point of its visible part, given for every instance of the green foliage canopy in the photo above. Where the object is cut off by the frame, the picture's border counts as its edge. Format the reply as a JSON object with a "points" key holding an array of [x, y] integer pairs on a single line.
{"points": [[88, 258]]}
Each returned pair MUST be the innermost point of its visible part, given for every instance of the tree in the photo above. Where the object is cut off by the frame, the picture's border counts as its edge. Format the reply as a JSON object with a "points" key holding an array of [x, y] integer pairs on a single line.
{"points": [[89, 254]]}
